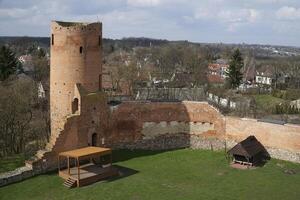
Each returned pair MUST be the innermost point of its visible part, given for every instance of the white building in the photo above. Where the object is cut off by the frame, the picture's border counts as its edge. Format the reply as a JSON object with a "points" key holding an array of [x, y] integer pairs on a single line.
{"points": [[263, 79], [41, 91], [265, 75]]}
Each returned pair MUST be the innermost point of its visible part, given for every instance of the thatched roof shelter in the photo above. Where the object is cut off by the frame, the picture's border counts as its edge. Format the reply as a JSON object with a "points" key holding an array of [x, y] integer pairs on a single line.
{"points": [[249, 152]]}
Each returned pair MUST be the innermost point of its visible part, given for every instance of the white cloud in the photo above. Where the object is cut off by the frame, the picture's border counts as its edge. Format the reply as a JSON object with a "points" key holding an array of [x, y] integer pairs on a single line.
{"points": [[232, 18], [14, 13], [143, 3], [197, 20], [254, 15], [288, 13], [234, 15]]}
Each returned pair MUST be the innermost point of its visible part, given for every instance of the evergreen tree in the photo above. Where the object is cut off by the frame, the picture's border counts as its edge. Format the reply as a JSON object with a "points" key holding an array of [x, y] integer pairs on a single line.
{"points": [[234, 72], [41, 53], [8, 63]]}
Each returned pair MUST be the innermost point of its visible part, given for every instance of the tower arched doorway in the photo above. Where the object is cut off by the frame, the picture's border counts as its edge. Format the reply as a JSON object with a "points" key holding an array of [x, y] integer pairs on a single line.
{"points": [[94, 139]]}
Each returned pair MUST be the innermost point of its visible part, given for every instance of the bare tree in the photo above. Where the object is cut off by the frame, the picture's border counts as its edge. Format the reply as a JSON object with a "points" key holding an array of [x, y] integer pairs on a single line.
{"points": [[15, 115]]}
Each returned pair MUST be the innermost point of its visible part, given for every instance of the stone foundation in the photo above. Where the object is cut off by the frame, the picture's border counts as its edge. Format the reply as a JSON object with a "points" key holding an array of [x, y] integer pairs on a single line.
{"points": [[283, 154], [16, 175], [175, 141], [161, 142]]}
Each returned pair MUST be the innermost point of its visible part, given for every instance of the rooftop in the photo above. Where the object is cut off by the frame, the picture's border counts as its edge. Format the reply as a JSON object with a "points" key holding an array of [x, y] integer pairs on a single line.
{"points": [[248, 147], [86, 151]]}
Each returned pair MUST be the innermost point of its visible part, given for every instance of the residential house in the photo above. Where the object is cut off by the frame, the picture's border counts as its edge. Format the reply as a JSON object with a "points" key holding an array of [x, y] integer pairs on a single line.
{"points": [[26, 61], [265, 75], [217, 71], [268, 75]]}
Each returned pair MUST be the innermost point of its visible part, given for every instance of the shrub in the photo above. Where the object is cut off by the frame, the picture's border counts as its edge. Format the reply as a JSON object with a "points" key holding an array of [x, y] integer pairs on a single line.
{"points": [[279, 93], [292, 94], [285, 108]]}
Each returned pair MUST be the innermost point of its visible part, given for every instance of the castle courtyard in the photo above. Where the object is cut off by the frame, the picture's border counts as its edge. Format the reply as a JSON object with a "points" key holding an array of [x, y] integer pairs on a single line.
{"points": [[150, 100], [179, 174]]}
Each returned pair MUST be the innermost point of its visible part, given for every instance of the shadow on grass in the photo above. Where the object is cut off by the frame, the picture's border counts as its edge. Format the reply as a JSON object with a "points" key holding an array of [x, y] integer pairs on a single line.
{"points": [[118, 156], [125, 154], [123, 173]]}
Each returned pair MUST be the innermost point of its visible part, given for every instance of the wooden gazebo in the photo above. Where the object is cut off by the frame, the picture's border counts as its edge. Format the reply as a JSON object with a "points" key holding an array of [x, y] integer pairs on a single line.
{"points": [[249, 152], [82, 168]]}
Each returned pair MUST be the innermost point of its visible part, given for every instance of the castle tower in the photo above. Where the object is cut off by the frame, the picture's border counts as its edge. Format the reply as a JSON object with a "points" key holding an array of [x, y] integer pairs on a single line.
{"points": [[76, 59]]}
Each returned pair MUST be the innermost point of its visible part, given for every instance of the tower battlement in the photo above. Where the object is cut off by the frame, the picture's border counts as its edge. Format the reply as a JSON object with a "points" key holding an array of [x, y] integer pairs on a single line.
{"points": [[60, 26]]}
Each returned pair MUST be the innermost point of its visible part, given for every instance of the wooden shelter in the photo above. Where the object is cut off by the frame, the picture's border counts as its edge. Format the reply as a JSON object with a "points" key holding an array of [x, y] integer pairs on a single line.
{"points": [[249, 152], [82, 167]]}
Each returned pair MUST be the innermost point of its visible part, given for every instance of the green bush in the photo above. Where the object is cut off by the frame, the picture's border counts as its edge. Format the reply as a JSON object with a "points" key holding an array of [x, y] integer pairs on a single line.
{"points": [[289, 94], [279, 94], [292, 94], [285, 108]]}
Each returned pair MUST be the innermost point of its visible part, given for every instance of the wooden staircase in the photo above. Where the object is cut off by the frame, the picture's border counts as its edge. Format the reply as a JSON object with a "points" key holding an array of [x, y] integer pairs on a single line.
{"points": [[69, 183]]}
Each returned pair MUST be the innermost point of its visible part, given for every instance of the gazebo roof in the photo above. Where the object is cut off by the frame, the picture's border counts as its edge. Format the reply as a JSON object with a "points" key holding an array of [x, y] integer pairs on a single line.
{"points": [[248, 147], [86, 152]]}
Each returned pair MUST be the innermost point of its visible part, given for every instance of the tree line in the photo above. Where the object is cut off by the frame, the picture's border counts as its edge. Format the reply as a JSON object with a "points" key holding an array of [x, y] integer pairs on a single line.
{"points": [[24, 118]]}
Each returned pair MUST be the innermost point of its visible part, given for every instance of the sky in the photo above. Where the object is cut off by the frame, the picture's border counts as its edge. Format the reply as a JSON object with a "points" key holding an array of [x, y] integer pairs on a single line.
{"points": [[274, 22]]}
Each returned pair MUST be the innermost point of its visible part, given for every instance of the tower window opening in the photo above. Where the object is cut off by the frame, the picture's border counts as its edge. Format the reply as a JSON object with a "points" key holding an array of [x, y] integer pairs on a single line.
{"points": [[100, 82], [94, 139], [80, 49], [75, 106], [52, 39], [99, 40]]}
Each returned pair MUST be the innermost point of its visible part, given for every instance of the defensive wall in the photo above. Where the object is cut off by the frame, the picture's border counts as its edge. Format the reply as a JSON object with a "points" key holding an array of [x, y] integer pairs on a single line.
{"points": [[156, 126], [281, 141], [162, 125]]}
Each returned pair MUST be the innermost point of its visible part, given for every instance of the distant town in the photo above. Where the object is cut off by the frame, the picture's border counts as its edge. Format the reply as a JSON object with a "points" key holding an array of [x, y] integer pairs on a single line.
{"points": [[144, 68]]}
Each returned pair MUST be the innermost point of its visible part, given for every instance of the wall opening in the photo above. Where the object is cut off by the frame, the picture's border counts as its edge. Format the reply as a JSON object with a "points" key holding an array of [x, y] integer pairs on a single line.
{"points": [[100, 82], [99, 40], [52, 39], [75, 106], [80, 49], [94, 139]]}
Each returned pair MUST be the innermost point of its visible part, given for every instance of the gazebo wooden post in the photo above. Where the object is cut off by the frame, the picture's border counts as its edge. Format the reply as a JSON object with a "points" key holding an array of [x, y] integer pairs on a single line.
{"points": [[58, 163], [110, 159], [68, 165], [78, 169]]}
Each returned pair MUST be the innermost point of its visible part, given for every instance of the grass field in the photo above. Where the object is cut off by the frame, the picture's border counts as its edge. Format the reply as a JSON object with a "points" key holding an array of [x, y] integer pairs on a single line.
{"points": [[11, 163], [182, 174], [267, 102]]}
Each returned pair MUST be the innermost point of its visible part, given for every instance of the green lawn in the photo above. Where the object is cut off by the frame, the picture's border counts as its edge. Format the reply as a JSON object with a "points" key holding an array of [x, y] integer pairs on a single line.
{"points": [[11, 163], [267, 102], [182, 174]]}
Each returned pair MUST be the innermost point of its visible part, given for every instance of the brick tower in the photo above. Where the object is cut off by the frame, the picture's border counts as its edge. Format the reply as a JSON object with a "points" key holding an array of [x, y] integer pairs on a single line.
{"points": [[76, 59]]}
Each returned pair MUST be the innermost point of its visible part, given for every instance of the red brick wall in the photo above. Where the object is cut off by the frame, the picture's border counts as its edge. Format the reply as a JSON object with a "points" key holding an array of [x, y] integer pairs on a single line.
{"points": [[128, 118], [271, 135]]}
